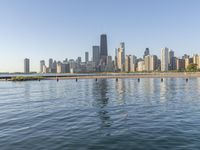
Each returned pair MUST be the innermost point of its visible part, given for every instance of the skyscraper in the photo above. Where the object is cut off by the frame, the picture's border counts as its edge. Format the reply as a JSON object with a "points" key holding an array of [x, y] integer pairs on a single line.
{"points": [[109, 66], [78, 60], [26, 65], [164, 59], [121, 57], [103, 46], [50, 63], [115, 60], [195, 59], [42, 64], [141, 66], [86, 57], [153, 62], [171, 60], [103, 50], [133, 61], [54, 70], [147, 62], [95, 54], [146, 52]]}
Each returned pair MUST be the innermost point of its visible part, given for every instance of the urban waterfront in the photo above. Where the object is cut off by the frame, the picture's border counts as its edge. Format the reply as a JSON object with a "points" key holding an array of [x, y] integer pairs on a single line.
{"points": [[106, 114]]}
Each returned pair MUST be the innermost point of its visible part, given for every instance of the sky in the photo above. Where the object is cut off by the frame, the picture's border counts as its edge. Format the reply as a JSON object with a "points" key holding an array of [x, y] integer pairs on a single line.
{"points": [[59, 29]]}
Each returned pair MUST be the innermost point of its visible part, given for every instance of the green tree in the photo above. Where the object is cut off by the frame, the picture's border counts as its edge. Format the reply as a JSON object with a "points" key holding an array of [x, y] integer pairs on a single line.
{"points": [[192, 67]]}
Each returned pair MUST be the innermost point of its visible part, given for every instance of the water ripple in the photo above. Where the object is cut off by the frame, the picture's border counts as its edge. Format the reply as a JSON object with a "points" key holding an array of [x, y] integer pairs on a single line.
{"points": [[100, 115]]}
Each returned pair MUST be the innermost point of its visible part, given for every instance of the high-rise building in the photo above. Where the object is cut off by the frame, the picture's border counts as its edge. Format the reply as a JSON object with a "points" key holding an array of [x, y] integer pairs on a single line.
{"points": [[198, 65], [180, 64], [26, 65], [54, 69], [79, 60], [164, 59], [146, 52], [103, 51], [109, 66], [133, 63], [115, 61], [42, 64], [153, 62], [96, 54], [195, 59], [130, 63], [59, 67], [127, 63], [65, 61], [103, 46], [185, 56], [86, 57], [50, 63], [121, 57], [188, 61], [147, 63], [171, 60], [72, 65], [141, 66]]}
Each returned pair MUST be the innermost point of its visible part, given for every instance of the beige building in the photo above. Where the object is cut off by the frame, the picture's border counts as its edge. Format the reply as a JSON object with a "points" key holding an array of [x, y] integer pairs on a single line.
{"points": [[133, 62], [164, 59], [153, 62], [59, 67], [150, 63], [121, 57], [147, 63], [130, 63], [196, 60], [141, 66], [188, 61]]}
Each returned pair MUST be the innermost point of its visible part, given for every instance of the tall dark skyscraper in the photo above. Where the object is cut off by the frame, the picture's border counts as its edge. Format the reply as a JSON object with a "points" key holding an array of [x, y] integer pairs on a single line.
{"points": [[146, 52], [86, 57], [103, 46], [103, 51]]}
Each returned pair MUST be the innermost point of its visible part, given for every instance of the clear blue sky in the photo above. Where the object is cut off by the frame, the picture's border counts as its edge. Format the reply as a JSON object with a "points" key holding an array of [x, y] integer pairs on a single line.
{"points": [[59, 29]]}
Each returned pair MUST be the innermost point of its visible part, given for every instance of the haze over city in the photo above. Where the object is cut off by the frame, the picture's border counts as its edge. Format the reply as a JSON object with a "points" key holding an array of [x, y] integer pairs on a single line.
{"points": [[66, 29]]}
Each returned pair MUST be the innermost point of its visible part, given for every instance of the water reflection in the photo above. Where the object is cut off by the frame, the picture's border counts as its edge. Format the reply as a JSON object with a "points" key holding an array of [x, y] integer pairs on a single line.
{"points": [[27, 90], [120, 89], [101, 100], [163, 90], [100, 91]]}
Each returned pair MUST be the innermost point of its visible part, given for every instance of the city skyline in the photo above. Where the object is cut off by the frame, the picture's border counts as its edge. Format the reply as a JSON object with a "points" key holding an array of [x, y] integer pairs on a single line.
{"points": [[62, 29], [121, 62]]}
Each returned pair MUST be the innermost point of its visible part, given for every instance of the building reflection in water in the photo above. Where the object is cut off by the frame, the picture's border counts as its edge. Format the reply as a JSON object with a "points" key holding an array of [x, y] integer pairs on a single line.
{"points": [[27, 89], [198, 84], [120, 91], [122, 88], [100, 90]]}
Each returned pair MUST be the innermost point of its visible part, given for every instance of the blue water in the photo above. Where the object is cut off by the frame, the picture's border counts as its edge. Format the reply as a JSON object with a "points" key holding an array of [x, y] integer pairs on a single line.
{"points": [[103, 115]]}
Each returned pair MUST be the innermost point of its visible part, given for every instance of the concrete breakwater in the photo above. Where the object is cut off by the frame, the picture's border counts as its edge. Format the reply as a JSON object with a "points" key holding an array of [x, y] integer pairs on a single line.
{"points": [[101, 75]]}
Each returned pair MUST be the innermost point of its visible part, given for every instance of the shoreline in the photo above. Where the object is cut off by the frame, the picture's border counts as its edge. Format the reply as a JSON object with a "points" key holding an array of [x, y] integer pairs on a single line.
{"points": [[36, 77], [131, 76]]}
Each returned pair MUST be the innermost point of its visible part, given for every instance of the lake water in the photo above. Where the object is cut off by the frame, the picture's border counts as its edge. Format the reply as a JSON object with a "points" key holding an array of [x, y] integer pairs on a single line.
{"points": [[103, 115]]}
